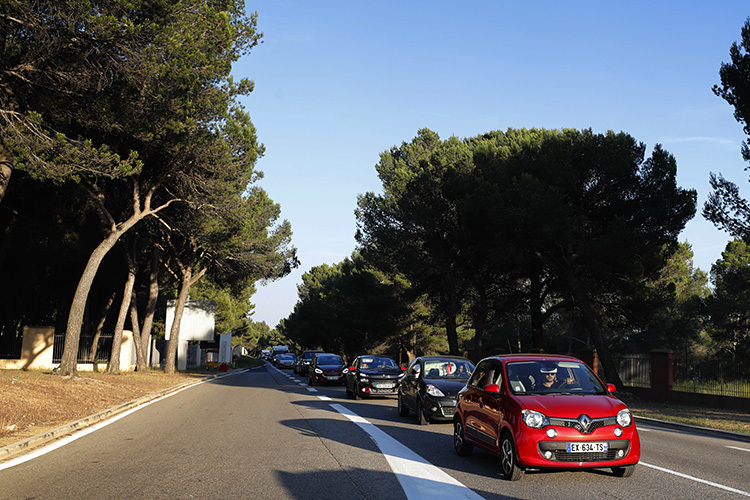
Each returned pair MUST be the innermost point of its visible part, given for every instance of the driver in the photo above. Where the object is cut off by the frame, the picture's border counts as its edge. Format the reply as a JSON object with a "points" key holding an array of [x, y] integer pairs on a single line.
{"points": [[548, 378]]}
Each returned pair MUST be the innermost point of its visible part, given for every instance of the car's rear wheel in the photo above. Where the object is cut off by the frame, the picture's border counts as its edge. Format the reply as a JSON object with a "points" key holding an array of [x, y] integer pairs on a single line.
{"points": [[403, 410], [623, 471], [463, 449], [420, 413], [508, 465]]}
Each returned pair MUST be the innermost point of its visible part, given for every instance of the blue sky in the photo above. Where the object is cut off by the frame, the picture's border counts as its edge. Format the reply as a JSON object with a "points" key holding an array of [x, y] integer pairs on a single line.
{"points": [[337, 83]]}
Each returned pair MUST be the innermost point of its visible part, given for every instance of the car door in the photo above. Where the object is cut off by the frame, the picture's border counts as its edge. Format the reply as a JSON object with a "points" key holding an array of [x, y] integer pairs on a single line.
{"points": [[489, 404], [410, 383], [469, 401]]}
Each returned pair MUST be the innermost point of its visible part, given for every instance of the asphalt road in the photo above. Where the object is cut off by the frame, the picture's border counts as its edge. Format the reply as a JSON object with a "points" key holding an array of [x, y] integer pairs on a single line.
{"points": [[264, 434]]}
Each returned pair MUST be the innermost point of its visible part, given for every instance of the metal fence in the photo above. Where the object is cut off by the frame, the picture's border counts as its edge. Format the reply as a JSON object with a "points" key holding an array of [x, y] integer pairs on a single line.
{"points": [[635, 370], [720, 377], [85, 348]]}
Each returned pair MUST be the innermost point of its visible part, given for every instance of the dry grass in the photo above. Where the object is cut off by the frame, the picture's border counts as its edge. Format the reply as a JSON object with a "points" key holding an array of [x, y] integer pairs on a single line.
{"points": [[712, 418], [32, 402]]}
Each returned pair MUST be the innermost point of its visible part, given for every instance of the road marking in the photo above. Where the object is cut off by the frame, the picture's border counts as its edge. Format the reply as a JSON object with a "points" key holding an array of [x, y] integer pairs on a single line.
{"points": [[418, 477], [736, 448], [312, 389], [325, 398], [693, 478]]}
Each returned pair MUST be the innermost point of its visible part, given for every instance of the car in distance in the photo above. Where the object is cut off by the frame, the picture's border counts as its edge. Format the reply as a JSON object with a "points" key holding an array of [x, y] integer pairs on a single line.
{"points": [[303, 362], [372, 376], [326, 368], [544, 412], [430, 386], [287, 360]]}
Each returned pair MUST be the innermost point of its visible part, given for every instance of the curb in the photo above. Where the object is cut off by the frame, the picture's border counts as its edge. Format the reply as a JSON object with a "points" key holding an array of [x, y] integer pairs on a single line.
{"points": [[28, 444], [693, 428]]}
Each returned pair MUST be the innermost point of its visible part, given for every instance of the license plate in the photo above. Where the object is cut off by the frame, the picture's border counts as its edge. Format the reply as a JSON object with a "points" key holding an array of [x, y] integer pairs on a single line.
{"points": [[332, 378], [384, 386], [587, 447]]}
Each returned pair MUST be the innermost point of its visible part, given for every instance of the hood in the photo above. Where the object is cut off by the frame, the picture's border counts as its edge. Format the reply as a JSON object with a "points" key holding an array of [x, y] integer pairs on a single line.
{"points": [[385, 371], [572, 406], [331, 367], [448, 387]]}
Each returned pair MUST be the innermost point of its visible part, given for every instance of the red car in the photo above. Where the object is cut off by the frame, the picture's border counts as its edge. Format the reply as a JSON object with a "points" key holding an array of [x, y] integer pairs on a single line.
{"points": [[544, 412]]}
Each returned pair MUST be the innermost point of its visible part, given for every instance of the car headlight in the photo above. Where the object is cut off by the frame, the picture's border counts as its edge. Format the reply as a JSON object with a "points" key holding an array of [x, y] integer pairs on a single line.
{"points": [[319, 371], [534, 419], [624, 418], [434, 391]]}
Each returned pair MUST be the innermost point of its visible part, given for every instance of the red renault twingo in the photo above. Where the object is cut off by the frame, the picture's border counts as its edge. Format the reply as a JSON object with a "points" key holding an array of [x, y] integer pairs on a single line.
{"points": [[544, 412]]}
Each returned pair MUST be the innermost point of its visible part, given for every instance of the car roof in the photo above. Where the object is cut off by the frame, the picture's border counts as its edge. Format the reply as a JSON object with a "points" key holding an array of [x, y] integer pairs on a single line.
{"points": [[445, 357], [532, 357]]}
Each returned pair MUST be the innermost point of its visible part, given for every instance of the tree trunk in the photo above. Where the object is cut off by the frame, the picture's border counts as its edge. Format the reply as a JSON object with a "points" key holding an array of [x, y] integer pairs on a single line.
{"points": [[170, 366], [153, 295], [5, 172], [592, 325], [127, 297], [99, 328], [450, 318], [78, 307], [536, 302], [174, 334], [141, 354]]}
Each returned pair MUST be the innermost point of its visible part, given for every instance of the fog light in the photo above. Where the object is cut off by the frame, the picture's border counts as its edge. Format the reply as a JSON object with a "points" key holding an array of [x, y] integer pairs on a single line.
{"points": [[434, 409], [551, 433], [548, 455], [620, 453], [618, 432]]}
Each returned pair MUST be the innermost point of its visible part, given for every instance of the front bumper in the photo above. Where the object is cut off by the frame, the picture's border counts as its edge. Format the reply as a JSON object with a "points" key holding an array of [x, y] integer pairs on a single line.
{"points": [[436, 408], [536, 449]]}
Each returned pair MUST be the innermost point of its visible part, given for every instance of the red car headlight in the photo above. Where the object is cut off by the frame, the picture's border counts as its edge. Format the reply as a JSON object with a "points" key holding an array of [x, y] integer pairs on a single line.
{"points": [[534, 419]]}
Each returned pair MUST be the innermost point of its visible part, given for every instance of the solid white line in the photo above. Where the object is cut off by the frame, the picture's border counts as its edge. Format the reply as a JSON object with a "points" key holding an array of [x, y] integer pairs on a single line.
{"points": [[736, 448], [88, 430], [419, 478], [693, 478]]}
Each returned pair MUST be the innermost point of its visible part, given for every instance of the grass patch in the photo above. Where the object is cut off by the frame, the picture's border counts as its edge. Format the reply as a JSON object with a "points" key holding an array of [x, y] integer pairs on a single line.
{"points": [[712, 418]]}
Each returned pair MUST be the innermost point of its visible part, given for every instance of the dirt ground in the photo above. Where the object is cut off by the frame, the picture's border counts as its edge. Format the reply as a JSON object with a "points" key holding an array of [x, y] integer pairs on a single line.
{"points": [[33, 402]]}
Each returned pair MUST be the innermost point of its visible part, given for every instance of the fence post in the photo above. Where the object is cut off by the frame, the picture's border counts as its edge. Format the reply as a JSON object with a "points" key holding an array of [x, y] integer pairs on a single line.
{"points": [[661, 374]]}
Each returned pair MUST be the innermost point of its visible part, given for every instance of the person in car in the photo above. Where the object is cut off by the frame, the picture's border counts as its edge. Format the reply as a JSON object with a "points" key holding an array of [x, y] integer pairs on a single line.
{"points": [[548, 379]]}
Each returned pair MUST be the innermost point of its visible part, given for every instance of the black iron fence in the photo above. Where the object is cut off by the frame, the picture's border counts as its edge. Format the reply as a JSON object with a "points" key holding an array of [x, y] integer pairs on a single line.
{"points": [[635, 370], [720, 377], [85, 348], [706, 376]]}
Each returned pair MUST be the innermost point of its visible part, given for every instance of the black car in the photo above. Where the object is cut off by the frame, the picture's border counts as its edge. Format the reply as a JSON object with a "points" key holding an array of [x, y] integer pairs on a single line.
{"points": [[326, 368], [372, 376], [303, 362], [431, 385]]}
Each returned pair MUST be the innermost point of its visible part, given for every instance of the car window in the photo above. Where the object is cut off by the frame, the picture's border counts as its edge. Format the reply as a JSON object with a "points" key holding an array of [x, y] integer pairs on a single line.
{"points": [[329, 360], [448, 368], [552, 377], [479, 374]]}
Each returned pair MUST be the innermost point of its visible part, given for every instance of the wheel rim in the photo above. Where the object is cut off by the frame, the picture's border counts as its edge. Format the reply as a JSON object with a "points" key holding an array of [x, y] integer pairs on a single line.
{"points": [[458, 435], [507, 456]]}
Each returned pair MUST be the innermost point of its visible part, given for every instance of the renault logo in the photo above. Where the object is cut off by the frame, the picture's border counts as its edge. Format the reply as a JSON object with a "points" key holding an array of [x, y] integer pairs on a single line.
{"points": [[584, 421]]}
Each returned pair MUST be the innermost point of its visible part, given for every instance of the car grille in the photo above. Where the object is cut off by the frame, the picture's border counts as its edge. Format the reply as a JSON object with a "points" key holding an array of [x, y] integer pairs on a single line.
{"points": [[576, 424], [449, 411], [564, 456]]}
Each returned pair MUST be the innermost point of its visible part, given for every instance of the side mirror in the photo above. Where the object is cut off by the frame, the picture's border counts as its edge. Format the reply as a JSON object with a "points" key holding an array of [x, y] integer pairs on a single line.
{"points": [[611, 388], [492, 389], [351, 368]]}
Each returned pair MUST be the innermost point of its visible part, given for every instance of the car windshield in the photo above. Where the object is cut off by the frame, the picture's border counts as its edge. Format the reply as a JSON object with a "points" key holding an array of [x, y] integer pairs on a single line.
{"points": [[447, 368], [287, 356], [330, 360], [377, 363], [552, 377]]}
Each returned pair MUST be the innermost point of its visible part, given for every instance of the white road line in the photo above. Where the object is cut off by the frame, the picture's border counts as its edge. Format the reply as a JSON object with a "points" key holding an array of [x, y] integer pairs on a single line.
{"points": [[311, 389], [325, 398], [419, 478], [737, 448], [696, 479]]}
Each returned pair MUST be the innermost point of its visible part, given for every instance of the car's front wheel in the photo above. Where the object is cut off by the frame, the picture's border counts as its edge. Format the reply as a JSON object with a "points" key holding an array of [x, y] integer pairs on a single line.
{"points": [[463, 449], [623, 471], [508, 465]]}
